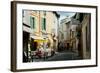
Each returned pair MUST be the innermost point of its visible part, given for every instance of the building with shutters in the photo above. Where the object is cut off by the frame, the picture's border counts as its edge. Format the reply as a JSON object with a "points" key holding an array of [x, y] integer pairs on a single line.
{"points": [[38, 28], [84, 35]]}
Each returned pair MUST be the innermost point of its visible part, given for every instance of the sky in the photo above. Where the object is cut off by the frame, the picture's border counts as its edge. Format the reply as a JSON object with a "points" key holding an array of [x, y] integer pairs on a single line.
{"points": [[65, 14], [62, 13]]}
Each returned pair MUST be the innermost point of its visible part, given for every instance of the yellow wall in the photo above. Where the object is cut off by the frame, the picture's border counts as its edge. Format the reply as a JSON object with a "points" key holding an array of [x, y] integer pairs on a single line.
{"points": [[51, 23]]}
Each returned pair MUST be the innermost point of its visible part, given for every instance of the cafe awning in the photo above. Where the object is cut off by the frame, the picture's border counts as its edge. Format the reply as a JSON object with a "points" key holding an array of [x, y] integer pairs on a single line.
{"points": [[38, 39]]}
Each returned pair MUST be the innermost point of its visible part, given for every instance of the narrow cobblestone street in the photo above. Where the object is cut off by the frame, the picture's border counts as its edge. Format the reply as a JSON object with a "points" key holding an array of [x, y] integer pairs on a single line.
{"points": [[67, 55], [56, 36], [60, 56]]}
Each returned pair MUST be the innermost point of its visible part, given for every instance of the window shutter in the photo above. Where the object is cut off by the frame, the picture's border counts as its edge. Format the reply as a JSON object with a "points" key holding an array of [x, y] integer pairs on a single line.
{"points": [[43, 24], [32, 22]]}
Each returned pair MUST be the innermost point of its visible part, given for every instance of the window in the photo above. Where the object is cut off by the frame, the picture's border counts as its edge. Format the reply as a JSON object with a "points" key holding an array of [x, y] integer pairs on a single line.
{"points": [[81, 17], [23, 13], [43, 23], [32, 22], [44, 13]]}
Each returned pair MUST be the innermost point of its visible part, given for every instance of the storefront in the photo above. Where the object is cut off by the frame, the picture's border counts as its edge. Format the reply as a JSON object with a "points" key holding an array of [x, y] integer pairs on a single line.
{"points": [[37, 41], [25, 46]]}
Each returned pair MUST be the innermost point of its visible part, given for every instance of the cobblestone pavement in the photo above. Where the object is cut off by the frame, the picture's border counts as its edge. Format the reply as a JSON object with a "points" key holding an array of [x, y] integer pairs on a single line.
{"points": [[64, 56], [60, 56]]}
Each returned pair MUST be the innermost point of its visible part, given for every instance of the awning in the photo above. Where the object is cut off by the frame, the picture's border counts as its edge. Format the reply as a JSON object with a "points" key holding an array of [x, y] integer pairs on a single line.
{"points": [[38, 39], [27, 29]]}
